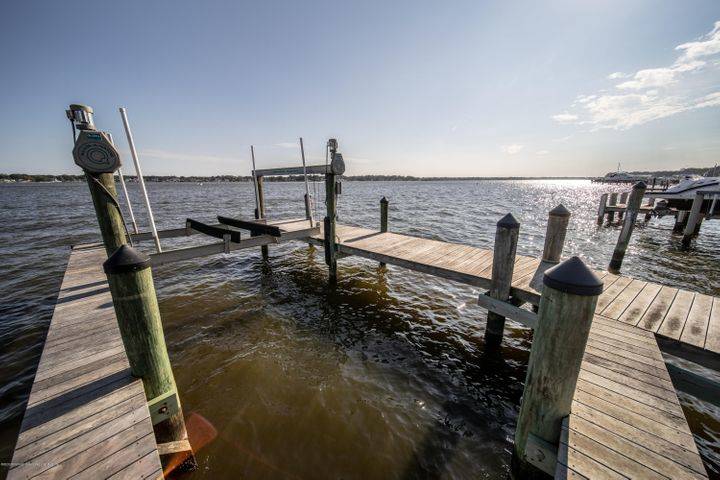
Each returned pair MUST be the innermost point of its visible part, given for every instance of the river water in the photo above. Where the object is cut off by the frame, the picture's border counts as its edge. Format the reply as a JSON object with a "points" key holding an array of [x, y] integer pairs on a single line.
{"points": [[384, 375]]}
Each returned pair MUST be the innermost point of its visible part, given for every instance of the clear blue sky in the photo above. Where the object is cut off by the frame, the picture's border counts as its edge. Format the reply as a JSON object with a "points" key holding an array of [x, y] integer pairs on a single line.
{"points": [[565, 87]]}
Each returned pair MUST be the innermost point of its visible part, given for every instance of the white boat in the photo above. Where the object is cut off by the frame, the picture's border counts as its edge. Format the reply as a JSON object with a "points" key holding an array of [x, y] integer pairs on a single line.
{"points": [[620, 177], [681, 196]]}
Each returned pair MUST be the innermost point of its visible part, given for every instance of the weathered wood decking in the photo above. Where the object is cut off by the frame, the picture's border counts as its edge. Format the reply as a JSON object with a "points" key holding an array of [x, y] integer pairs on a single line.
{"points": [[86, 416], [689, 317], [626, 420]]}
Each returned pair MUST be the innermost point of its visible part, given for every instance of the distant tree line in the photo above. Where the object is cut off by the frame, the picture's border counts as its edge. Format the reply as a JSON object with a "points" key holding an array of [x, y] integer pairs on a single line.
{"points": [[24, 177]]}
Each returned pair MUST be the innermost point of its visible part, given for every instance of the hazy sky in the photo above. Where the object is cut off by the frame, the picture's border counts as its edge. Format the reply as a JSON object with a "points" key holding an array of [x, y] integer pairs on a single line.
{"points": [[567, 87]]}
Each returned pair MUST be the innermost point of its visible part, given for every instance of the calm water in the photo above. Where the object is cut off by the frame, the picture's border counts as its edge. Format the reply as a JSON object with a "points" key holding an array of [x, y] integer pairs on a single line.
{"points": [[383, 376]]}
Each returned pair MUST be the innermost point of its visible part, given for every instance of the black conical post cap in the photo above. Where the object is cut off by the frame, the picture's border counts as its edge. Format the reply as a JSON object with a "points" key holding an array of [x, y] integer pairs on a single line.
{"points": [[383, 200], [126, 259], [573, 276], [639, 185], [508, 221], [560, 211]]}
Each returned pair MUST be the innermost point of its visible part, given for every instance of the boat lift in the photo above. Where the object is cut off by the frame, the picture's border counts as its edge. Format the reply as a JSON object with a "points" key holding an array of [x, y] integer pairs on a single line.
{"points": [[263, 232]]}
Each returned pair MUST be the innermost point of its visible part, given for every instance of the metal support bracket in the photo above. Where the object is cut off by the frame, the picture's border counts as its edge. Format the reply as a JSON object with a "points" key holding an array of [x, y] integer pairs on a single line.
{"points": [[163, 406]]}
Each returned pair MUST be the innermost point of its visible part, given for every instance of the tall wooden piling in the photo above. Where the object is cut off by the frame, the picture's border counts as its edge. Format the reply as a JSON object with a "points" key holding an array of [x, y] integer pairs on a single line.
{"points": [[601, 208], [612, 202], [567, 305], [138, 317], [260, 210], [329, 226], [623, 201], [694, 219], [107, 210], [383, 218], [558, 220], [632, 209], [681, 219], [506, 238]]}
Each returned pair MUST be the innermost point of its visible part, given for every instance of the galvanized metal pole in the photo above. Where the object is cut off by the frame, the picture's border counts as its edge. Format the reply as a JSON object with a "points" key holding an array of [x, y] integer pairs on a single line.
{"points": [[567, 305], [138, 171], [125, 192], [308, 207], [254, 180]]}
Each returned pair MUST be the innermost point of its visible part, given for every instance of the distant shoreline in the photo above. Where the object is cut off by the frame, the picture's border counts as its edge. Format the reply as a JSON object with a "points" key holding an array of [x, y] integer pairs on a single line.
{"points": [[39, 178], [22, 178]]}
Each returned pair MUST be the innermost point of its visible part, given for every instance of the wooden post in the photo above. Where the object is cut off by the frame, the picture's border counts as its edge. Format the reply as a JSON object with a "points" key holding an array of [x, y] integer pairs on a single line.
{"points": [[693, 219], [329, 227], [138, 317], [632, 209], [308, 209], [260, 211], [567, 305], [613, 203], [107, 210], [383, 218], [558, 220], [681, 219], [650, 203], [623, 201], [506, 237], [601, 208]]}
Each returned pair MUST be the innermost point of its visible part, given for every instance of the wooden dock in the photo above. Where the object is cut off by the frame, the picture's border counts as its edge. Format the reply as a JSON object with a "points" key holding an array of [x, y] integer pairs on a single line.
{"points": [[687, 317], [86, 416], [626, 420]]}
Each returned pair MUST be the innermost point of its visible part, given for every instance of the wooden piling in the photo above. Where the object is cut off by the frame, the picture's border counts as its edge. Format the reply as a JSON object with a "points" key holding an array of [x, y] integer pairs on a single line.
{"points": [[650, 204], [138, 317], [613, 203], [632, 209], [558, 220], [383, 218], [601, 208], [623, 201], [330, 219], [107, 210], [693, 219], [567, 305], [260, 210], [506, 238], [308, 208], [681, 219]]}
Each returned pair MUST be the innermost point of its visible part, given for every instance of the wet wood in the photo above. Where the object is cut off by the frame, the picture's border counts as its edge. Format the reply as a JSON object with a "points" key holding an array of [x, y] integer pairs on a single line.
{"points": [[86, 415]]}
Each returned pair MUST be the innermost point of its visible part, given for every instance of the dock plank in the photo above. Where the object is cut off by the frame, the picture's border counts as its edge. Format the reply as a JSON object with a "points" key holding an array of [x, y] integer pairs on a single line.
{"points": [[677, 315], [625, 301], [84, 407]]}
